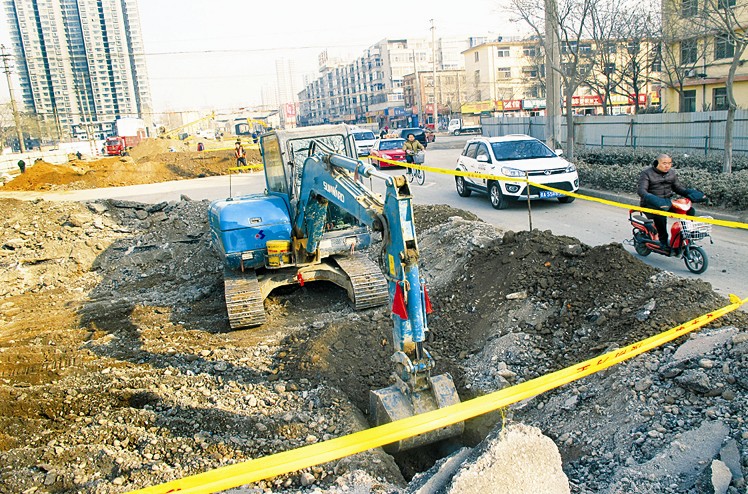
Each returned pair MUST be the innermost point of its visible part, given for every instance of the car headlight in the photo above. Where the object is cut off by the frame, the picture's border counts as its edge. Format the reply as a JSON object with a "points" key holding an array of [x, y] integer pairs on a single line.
{"points": [[571, 168], [511, 172]]}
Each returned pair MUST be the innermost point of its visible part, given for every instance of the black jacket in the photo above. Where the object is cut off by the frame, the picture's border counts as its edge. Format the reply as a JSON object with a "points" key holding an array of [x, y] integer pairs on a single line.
{"points": [[653, 182]]}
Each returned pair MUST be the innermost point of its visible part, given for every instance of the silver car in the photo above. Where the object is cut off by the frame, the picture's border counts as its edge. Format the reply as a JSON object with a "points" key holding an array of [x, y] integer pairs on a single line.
{"points": [[514, 156]]}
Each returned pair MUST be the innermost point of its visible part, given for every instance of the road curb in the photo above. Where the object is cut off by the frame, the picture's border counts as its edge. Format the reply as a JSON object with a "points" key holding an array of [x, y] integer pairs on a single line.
{"points": [[634, 201]]}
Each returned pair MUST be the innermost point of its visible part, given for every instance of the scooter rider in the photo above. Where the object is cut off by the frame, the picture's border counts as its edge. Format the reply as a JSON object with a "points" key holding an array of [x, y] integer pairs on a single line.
{"points": [[657, 185]]}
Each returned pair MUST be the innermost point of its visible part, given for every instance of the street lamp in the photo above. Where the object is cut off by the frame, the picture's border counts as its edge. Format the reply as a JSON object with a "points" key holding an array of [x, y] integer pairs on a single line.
{"points": [[433, 68]]}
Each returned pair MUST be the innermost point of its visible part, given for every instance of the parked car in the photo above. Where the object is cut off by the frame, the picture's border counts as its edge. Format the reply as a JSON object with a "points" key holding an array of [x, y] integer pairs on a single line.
{"points": [[418, 133], [390, 149], [364, 140], [514, 156]]}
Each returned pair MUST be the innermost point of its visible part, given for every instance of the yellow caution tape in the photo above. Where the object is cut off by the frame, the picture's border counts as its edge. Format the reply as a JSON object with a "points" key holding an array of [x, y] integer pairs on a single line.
{"points": [[458, 173], [289, 461], [254, 166]]}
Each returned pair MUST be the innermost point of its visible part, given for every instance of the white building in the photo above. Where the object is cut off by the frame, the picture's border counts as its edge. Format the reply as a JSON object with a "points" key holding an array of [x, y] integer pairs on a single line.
{"points": [[81, 63]]}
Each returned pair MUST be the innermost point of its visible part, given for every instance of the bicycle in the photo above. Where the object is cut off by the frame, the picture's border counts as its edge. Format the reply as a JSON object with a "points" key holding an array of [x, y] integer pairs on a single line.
{"points": [[418, 175], [414, 173]]}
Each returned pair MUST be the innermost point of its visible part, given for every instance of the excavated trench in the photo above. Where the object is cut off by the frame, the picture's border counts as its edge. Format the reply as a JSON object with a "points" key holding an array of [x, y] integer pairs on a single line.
{"points": [[517, 306]]}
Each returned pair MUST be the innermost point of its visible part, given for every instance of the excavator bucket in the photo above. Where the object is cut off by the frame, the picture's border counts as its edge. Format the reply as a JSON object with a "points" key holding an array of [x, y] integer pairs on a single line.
{"points": [[392, 403]]}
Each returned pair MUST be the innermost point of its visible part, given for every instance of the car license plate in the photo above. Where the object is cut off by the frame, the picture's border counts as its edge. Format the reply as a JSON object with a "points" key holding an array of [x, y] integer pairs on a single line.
{"points": [[548, 193]]}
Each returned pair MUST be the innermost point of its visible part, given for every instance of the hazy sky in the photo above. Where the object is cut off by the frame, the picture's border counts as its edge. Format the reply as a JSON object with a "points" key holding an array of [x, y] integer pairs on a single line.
{"points": [[219, 54]]}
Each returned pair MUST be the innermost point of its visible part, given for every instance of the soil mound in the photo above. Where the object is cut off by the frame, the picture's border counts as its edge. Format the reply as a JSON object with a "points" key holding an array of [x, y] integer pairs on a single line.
{"points": [[119, 171], [150, 162]]}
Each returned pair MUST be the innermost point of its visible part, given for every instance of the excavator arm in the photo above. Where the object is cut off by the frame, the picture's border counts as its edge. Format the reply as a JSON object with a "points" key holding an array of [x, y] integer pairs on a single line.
{"points": [[334, 178]]}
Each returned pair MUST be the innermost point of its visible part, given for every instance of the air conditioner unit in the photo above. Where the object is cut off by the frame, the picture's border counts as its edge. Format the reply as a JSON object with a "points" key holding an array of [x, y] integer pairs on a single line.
{"points": [[691, 73]]}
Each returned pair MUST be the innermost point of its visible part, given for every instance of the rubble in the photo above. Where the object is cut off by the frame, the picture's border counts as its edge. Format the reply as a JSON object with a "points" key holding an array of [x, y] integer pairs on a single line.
{"points": [[118, 369]]}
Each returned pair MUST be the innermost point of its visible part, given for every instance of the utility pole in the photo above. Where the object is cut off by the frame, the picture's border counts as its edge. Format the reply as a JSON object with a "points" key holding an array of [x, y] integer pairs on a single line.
{"points": [[417, 83], [433, 69], [552, 78], [16, 116]]}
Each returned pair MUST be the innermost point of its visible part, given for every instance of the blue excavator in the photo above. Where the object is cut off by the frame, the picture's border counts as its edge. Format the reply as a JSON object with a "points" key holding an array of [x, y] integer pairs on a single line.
{"points": [[308, 225]]}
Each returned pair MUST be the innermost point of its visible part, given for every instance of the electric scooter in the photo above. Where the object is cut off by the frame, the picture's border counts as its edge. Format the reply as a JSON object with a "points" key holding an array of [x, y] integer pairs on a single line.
{"points": [[683, 237]]}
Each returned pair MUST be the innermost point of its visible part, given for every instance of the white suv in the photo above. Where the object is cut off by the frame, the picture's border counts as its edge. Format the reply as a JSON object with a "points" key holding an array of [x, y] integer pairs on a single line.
{"points": [[364, 140], [514, 156]]}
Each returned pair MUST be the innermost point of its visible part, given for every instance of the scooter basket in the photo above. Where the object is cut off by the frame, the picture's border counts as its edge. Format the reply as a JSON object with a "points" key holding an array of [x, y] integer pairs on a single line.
{"points": [[694, 230]]}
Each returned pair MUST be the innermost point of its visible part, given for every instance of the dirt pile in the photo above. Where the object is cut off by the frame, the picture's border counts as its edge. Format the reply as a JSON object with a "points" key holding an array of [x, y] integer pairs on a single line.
{"points": [[149, 162], [118, 369]]}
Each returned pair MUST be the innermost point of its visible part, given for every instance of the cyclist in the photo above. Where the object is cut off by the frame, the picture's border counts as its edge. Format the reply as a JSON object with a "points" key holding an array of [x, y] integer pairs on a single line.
{"points": [[411, 147]]}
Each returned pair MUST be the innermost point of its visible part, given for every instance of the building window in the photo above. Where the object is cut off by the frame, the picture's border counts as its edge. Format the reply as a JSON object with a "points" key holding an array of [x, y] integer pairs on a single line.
{"points": [[719, 98], [504, 73], [530, 73], [688, 101], [569, 47], [725, 4], [689, 8], [476, 56], [502, 51], [656, 57], [688, 51], [529, 51], [609, 69], [724, 47]]}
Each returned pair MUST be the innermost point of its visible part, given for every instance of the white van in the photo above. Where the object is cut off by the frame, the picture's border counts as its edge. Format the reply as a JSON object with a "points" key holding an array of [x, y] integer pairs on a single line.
{"points": [[364, 140]]}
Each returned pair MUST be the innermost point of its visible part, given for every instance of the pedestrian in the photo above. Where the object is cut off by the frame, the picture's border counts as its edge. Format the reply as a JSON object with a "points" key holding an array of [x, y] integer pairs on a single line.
{"points": [[657, 185], [79, 155], [22, 166], [240, 154], [255, 138]]}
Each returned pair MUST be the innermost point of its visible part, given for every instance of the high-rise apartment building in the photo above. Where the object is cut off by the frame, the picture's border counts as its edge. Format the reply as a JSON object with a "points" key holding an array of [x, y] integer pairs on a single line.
{"points": [[81, 63]]}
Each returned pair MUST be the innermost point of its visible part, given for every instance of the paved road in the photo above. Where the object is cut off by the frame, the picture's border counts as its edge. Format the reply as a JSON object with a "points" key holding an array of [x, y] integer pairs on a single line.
{"points": [[592, 223]]}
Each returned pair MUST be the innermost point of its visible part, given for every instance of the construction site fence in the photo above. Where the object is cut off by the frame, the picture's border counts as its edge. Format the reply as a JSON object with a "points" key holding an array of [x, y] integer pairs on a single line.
{"points": [[696, 132]]}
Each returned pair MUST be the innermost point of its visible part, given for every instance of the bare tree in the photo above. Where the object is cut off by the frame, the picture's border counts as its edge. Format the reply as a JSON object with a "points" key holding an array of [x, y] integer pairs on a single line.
{"points": [[681, 52], [605, 78], [725, 25], [573, 21], [640, 57]]}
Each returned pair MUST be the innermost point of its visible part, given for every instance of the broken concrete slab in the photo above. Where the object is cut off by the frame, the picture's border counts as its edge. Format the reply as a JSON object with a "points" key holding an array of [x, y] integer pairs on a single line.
{"points": [[703, 343], [535, 465], [683, 461]]}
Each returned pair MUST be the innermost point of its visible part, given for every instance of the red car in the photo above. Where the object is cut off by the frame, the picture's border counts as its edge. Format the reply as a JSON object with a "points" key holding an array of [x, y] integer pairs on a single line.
{"points": [[389, 149]]}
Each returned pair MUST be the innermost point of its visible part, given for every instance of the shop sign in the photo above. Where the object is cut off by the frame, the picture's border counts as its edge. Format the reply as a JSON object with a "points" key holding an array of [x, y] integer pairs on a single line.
{"points": [[512, 104], [586, 100], [478, 107], [641, 97], [533, 104]]}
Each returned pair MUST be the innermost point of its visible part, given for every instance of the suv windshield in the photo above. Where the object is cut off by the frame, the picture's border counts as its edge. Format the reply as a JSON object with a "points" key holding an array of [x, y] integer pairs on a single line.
{"points": [[521, 150], [363, 136], [393, 144], [416, 132]]}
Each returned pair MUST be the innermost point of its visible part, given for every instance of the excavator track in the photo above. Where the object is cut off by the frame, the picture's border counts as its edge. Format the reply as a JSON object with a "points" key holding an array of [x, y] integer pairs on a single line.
{"points": [[368, 282], [243, 299]]}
